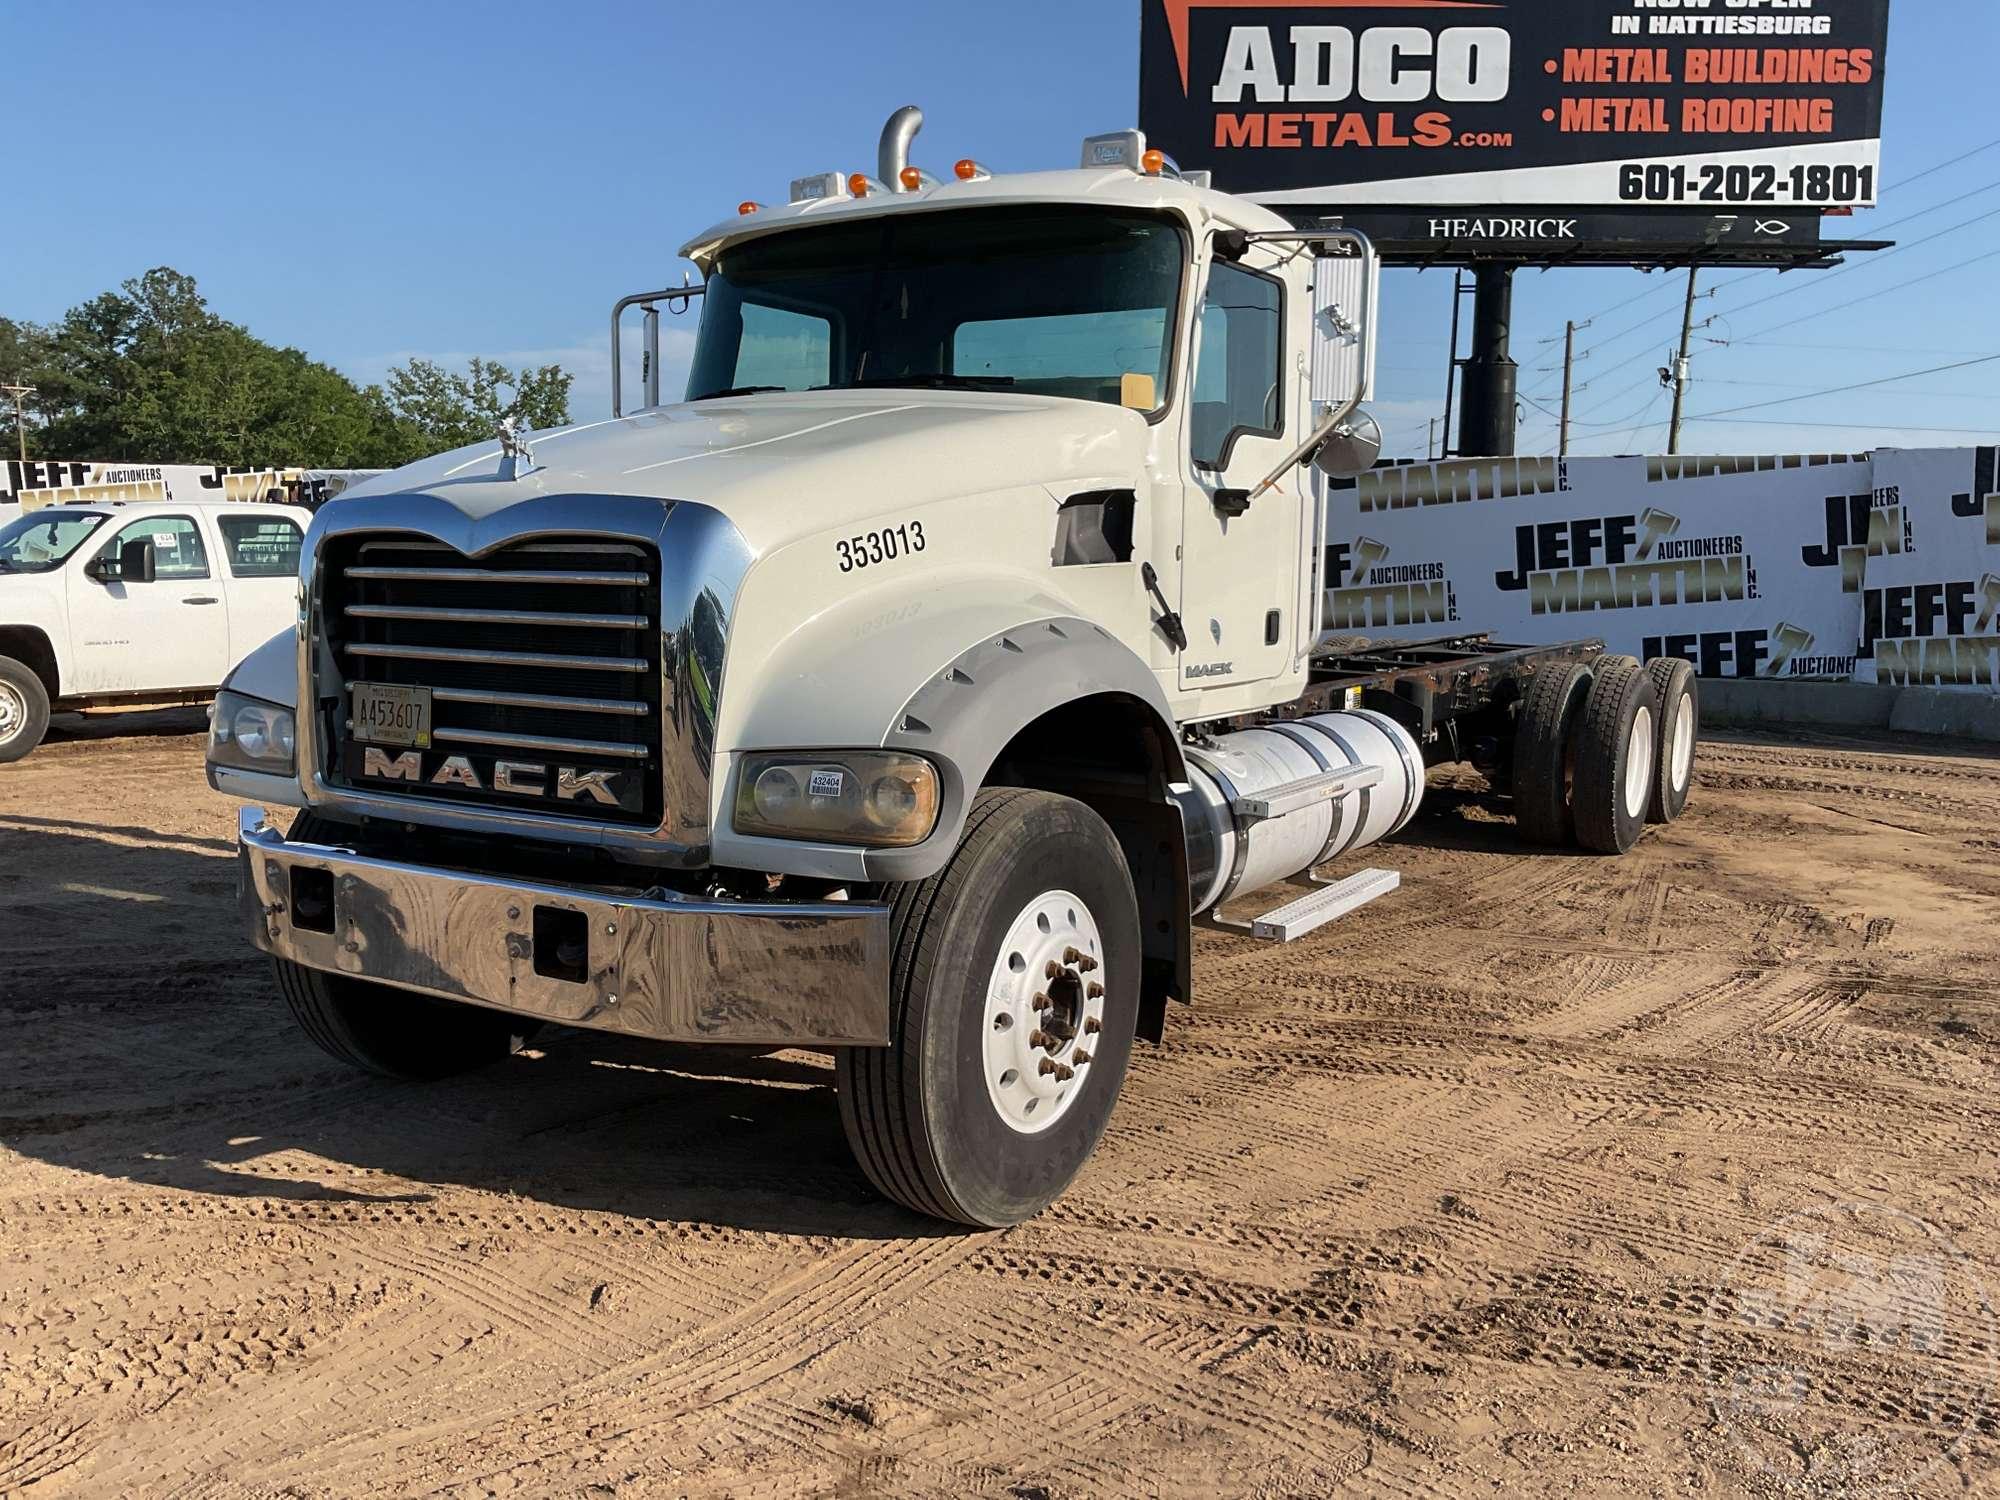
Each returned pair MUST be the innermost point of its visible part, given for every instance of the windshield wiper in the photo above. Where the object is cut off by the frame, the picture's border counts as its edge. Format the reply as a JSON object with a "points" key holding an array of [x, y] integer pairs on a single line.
{"points": [[737, 390], [928, 382]]}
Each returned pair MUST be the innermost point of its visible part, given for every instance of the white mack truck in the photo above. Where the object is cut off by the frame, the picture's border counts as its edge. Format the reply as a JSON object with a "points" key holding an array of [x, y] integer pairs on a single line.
{"points": [[908, 690]]}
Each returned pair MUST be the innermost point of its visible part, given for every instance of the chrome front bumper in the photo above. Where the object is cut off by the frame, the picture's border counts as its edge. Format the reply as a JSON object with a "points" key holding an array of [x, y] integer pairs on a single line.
{"points": [[676, 968]]}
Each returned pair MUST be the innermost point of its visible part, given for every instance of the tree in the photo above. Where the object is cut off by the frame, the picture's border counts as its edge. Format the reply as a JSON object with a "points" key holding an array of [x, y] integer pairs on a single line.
{"points": [[450, 410], [150, 373]]}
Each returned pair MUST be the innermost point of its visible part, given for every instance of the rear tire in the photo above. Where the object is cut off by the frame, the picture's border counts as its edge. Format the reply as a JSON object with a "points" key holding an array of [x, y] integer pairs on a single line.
{"points": [[1615, 747], [1544, 730], [956, 1118], [381, 1029], [24, 710], [1680, 731]]}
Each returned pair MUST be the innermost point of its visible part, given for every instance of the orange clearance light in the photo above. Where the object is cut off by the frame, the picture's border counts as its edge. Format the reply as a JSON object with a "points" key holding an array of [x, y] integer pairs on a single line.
{"points": [[912, 179], [748, 207], [1153, 162], [857, 184], [965, 169]]}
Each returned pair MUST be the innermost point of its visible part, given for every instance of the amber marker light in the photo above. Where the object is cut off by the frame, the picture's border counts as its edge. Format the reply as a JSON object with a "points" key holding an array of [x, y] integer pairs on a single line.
{"points": [[965, 169], [748, 207], [857, 184], [911, 178], [1153, 162]]}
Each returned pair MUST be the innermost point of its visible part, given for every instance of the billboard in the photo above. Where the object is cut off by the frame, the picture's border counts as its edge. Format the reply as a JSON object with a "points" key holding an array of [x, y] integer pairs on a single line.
{"points": [[1739, 564], [37, 483], [1632, 104], [1926, 544]]}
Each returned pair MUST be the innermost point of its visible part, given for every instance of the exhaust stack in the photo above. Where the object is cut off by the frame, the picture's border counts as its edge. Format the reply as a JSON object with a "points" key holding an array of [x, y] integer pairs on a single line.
{"points": [[894, 153]]}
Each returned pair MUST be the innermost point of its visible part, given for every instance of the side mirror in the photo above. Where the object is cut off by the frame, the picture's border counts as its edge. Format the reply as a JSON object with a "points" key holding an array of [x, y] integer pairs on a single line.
{"points": [[99, 569], [137, 561], [1351, 449]]}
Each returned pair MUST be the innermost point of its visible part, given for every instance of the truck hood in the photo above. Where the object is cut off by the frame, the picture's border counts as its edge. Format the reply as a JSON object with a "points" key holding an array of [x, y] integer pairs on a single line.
{"points": [[784, 466]]}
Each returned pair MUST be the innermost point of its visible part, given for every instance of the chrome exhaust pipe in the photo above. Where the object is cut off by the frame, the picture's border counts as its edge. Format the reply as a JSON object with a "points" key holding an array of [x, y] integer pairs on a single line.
{"points": [[894, 152]]}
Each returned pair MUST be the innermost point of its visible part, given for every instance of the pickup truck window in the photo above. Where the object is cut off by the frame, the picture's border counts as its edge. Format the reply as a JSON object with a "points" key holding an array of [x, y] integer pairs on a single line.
{"points": [[39, 543], [261, 546], [178, 552], [1051, 300]]}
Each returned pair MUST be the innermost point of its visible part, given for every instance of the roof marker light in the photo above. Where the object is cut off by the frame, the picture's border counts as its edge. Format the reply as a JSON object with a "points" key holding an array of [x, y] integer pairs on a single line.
{"points": [[1153, 162], [748, 207], [965, 169], [857, 184], [912, 178]]}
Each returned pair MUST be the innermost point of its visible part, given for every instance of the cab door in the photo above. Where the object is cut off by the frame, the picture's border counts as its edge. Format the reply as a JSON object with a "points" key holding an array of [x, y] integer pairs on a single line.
{"points": [[134, 637], [1240, 562]]}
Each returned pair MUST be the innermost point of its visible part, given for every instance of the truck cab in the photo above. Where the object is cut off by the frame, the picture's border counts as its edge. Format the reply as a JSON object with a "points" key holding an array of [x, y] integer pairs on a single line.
{"points": [[119, 604], [906, 690]]}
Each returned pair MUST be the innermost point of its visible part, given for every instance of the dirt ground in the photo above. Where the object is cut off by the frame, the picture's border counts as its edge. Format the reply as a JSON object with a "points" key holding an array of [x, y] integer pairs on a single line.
{"points": [[1549, 1174]]}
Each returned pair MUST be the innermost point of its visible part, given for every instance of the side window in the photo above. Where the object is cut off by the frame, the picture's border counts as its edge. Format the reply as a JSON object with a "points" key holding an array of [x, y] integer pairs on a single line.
{"points": [[1238, 382], [177, 549], [261, 546], [791, 350]]}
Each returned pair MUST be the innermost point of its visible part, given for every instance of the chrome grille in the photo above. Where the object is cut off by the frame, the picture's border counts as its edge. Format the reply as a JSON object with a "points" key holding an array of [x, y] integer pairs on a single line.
{"points": [[543, 654]]}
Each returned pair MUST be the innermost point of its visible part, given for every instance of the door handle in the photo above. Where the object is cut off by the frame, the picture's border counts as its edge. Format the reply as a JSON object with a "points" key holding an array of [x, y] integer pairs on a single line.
{"points": [[201, 599]]}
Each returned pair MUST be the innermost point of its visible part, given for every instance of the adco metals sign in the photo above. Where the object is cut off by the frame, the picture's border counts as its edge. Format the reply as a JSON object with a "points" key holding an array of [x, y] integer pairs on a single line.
{"points": [[1584, 103]]}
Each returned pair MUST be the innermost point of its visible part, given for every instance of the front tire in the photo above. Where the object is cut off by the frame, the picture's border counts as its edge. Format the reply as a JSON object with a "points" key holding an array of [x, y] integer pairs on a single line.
{"points": [[1014, 993], [378, 1028], [24, 710]]}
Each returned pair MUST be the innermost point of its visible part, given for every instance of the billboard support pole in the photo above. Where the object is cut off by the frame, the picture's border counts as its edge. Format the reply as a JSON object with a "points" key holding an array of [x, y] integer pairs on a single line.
{"points": [[1681, 365], [1486, 423]]}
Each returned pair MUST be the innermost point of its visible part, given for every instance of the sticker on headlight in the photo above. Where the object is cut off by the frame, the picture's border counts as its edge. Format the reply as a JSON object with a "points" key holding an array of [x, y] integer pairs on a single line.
{"points": [[826, 783]]}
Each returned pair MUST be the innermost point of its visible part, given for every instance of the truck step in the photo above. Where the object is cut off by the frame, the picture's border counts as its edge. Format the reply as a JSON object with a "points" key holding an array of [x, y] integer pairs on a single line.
{"points": [[1307, 791], [1315, 909]]}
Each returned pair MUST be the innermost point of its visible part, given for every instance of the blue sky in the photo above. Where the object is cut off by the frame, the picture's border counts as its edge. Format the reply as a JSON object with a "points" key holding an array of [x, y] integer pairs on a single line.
{"points": [[371, 181]]}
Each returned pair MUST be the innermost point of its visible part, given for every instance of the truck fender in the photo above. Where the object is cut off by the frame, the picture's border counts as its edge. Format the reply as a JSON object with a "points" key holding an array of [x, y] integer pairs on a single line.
{"points": [[1086, 688], [271, 672]]}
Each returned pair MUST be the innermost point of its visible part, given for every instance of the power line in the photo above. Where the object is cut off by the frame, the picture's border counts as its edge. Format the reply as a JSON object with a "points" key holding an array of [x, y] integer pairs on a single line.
{"points": [[1843, 426], [1951, 202], [1841, 390], [1873, 261], [1901, 286]]}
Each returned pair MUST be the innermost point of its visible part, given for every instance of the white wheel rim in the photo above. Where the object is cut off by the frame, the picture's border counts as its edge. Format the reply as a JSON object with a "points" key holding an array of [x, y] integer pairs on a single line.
{"points": [[1682, 764], [1046, 980], [13, 712], [1639, 764]]}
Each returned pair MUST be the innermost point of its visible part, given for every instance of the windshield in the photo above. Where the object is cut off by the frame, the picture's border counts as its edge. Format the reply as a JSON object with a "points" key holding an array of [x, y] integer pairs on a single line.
{"points": [[1052, 301], [39, 543]]}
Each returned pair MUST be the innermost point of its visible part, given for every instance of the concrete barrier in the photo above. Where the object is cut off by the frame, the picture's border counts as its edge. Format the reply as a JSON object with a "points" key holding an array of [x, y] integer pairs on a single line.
{"points": [[1850, 705]]}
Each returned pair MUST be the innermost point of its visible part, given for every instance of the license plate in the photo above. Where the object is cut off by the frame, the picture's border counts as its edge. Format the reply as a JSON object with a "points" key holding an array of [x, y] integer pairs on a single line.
{"points": [[387, 714]]}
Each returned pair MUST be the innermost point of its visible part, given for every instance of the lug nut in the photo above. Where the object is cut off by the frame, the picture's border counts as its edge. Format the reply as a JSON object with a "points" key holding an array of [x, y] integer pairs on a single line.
{"points": [[1082, 1057], [1072, 955], [1091, 1026], [1064, 1074], [1037, 1039], [1053, 970], [1093, 990], [1041, 1001], [1086, 963], [1048, 1066]]}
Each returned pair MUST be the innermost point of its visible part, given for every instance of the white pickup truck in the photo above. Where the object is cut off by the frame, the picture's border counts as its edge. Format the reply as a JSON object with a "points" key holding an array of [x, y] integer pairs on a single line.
{"points": [[103, 605]]}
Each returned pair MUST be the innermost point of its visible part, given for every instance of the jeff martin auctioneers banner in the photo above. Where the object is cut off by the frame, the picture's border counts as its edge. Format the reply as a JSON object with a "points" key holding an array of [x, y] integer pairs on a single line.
{"points": [[1881, 567], [1583, 103]]}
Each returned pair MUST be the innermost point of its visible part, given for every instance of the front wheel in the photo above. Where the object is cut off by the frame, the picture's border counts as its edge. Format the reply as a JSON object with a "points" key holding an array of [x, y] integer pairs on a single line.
{"points": [[378, 1028], [24, 709], [1014, 992]]}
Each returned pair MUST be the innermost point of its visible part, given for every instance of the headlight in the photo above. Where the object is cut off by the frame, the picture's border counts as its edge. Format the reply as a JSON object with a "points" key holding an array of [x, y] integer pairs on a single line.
{"points": [[874, 797], [251, 734]]}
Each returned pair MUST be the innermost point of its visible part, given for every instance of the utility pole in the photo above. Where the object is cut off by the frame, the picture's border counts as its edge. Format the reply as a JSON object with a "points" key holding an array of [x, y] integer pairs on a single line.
{"points": [[20, 393], [1680, 372], [1430, 437], [1569, 359]]}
